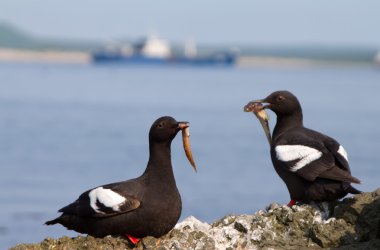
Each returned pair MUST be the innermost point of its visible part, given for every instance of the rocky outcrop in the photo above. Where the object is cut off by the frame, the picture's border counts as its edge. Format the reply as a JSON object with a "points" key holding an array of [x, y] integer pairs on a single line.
{"points": [[353, 223]]}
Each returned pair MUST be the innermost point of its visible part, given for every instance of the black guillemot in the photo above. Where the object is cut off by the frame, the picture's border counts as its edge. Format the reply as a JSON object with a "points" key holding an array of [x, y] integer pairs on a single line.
{"points": [[313, 166], [147, 205]]}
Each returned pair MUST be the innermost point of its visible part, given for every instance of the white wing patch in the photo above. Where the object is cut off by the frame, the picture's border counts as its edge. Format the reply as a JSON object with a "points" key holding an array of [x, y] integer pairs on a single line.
{"points": [[303, 154], [107, 197], [343, 152]]}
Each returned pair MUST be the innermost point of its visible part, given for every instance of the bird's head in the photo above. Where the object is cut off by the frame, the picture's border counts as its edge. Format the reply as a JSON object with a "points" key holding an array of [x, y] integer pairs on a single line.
{"points": [[283, 103], [165, 128]]}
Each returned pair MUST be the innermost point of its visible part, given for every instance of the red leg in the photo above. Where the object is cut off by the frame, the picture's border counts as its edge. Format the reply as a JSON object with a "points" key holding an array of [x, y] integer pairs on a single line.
{"points": [[132, 239], [291, 203]]}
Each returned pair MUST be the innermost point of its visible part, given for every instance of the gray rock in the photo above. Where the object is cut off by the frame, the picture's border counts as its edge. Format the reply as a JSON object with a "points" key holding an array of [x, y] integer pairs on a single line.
{"points": [[353, 223]]}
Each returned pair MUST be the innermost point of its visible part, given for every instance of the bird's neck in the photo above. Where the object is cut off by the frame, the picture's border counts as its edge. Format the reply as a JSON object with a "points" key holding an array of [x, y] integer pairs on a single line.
{"points": [[160, 165], [286, 122]]}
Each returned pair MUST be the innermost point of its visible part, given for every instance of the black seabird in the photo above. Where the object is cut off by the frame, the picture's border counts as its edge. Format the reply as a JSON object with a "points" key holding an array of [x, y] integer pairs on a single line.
{"points": [[148, 205], [313, 166]]}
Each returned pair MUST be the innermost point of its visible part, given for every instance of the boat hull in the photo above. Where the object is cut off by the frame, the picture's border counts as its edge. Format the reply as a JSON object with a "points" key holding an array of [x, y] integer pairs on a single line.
{"points": [[219, 59]]}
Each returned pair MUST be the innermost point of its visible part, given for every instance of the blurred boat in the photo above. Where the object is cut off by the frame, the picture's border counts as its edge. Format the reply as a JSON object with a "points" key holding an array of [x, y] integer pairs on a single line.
{"points": [[155, 51]]}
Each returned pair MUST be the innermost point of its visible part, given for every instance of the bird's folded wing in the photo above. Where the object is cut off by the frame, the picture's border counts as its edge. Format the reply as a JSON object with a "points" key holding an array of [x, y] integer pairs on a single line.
{"points": [[338, 174], [306, 161], [311, 161], [339, 153], [101, 202]]}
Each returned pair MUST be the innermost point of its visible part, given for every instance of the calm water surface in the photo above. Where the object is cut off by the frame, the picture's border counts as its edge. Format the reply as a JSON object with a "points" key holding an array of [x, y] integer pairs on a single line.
{"points": [[67, 128]]}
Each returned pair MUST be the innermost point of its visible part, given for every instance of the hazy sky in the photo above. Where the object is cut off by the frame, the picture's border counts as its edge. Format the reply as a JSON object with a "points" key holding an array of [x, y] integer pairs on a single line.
{"points": [[347, 22]]}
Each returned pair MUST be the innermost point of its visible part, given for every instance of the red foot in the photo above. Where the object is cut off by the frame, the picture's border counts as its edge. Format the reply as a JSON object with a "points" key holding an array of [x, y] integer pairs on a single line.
{"points": [[291, 203], [132, 239]]}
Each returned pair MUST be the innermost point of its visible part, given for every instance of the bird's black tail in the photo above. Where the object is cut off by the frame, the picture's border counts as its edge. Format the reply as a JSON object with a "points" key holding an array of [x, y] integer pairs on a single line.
{"points": [[52, 222], [353, 190]]}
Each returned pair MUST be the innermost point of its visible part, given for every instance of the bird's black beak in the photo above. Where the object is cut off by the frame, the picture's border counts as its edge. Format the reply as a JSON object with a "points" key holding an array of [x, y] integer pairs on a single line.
{"points": [[253, 105], [184, 126]]}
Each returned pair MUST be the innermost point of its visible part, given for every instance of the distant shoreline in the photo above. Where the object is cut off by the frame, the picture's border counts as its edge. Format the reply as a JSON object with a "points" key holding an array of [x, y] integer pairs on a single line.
{"points": [[49, 56], [257, 61], [78, 57]]}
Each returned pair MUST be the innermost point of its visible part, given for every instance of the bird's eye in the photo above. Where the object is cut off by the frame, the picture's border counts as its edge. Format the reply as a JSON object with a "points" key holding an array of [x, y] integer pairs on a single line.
{"points": [[160, 125], [280, 98]]}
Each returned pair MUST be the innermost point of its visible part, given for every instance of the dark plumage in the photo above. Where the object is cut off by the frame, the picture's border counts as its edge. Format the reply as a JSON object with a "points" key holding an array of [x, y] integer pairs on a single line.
{"points": [[313, 166], [148, 205]]}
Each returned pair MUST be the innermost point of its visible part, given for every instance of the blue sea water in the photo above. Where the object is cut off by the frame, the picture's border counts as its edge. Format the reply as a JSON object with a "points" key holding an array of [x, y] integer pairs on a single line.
{"points": [[67, 128]]}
